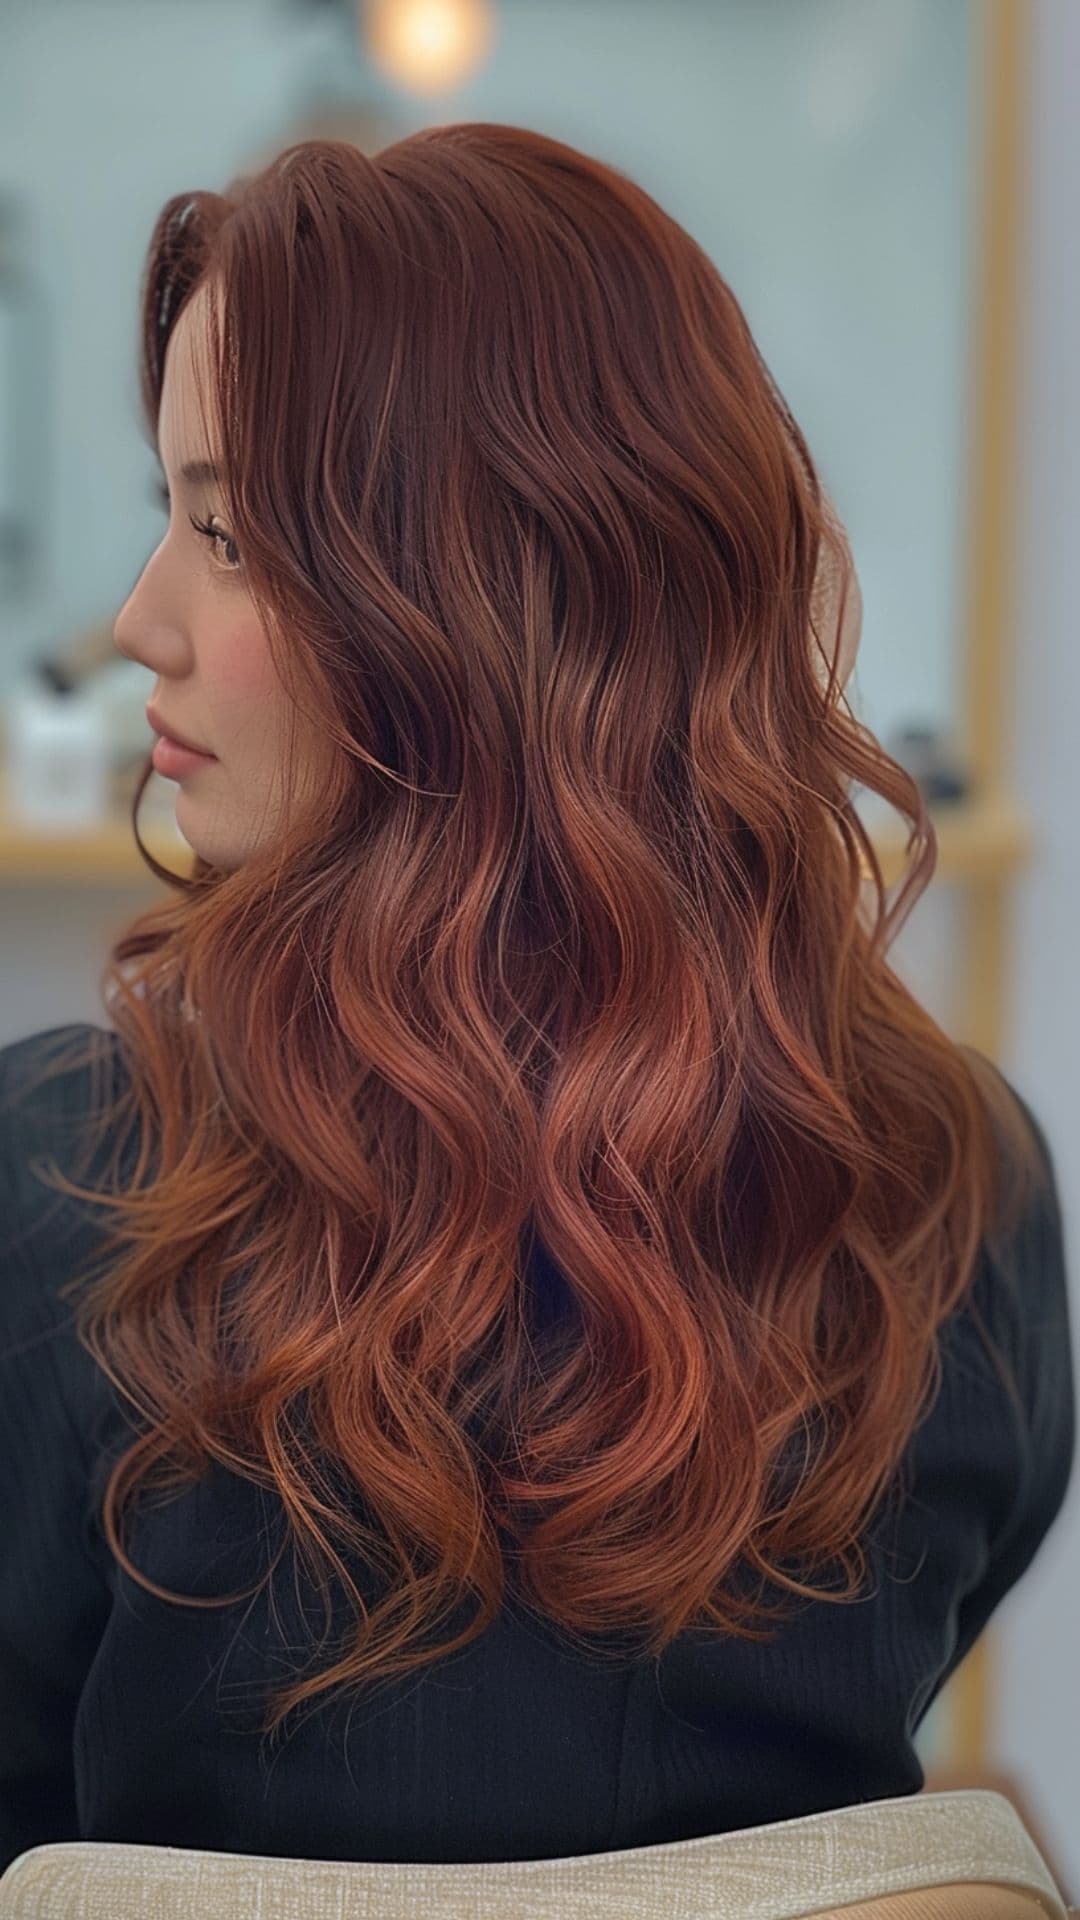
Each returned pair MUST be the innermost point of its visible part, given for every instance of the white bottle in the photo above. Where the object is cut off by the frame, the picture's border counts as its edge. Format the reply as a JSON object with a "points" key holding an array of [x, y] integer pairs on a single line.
{"points": [[56, 759]]}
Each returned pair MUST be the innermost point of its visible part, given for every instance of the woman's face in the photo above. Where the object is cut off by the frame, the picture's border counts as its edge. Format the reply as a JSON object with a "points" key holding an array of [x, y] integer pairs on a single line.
{"points": [[189, 618]]}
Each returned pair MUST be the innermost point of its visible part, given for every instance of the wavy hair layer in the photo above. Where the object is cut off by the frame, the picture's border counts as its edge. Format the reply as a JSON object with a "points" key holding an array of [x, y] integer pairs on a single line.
{"points": [[582, 947]]}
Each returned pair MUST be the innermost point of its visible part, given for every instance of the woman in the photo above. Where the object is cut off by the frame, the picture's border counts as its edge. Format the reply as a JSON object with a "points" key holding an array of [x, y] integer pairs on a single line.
{"points": [[550, 1253]]}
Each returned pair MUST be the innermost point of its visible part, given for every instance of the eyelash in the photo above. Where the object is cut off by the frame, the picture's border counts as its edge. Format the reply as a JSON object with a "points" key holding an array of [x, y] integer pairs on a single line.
{"points": [[207, 533], [213, 533]]}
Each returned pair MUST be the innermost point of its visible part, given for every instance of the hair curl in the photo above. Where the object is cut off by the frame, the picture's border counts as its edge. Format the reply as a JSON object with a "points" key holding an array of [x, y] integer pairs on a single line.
{"points": [[535, 539]]}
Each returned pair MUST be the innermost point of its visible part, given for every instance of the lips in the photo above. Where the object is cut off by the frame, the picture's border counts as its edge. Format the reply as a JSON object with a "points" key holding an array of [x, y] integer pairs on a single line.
{"points": [[181, 740]]}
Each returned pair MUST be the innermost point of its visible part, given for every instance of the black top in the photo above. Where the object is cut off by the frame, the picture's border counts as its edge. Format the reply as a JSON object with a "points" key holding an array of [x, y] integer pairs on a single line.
{"points": [[122, 1715]]}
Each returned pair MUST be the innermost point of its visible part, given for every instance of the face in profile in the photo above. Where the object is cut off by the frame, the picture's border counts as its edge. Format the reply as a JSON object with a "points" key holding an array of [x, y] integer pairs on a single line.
{"points": [[189, 618]]}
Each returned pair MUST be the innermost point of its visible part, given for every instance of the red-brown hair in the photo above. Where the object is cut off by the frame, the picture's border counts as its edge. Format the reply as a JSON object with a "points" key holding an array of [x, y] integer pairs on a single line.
{"points": [[582, 949]]}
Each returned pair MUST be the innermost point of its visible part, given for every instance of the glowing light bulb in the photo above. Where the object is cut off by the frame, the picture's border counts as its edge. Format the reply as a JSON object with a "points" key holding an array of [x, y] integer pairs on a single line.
{"points": [[428, 46]]}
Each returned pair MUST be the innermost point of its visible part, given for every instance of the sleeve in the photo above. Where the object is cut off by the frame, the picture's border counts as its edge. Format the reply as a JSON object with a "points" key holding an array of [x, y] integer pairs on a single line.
{"points": [[54, 1595], [1041, 1340]]}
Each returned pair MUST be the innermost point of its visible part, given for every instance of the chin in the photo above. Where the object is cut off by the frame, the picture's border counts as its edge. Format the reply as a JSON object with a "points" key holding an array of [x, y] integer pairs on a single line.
{"points": [[215, 841]]}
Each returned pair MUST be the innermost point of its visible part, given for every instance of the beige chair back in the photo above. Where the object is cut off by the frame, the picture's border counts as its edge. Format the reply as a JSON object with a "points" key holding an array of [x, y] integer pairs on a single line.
{"points": [[961, 1855]]}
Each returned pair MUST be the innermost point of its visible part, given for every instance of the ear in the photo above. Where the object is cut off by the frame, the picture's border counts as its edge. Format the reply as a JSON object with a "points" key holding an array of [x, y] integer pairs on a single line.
{"points": [[836, 600]]}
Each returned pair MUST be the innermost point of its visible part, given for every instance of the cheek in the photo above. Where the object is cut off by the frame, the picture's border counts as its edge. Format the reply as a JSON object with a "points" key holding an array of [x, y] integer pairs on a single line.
{"points": [[245, 685]]}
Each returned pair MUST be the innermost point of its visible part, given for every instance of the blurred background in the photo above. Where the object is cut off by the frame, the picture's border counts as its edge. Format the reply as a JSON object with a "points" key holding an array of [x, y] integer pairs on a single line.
{"points": [[889, 187]]}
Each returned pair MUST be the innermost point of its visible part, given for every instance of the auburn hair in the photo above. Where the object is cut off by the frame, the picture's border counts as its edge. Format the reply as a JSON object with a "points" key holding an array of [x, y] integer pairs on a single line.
{"points": [[533, 1138]]}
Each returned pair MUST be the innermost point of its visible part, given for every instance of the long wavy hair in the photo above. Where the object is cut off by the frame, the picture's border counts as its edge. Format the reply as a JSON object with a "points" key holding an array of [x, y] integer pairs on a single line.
{"points": [[533, 1138]]}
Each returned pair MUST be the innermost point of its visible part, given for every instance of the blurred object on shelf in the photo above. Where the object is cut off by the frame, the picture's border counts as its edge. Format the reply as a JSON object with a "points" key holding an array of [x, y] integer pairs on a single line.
{"points": [[76, 735], [89, 661], [56, 758], [931, 757], [68, 666]]}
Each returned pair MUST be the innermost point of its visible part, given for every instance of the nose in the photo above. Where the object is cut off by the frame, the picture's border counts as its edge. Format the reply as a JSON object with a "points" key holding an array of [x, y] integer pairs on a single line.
{"points": [[125, 626], [120, 640], [141, 630]]}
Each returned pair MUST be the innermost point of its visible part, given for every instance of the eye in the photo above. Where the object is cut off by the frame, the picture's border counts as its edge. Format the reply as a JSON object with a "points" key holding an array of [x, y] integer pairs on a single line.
{"points": [[216, 534], [160, 493]]}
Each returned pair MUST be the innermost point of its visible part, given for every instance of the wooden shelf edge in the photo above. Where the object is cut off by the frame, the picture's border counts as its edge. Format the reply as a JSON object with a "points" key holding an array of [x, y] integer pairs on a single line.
{"points": [[987, 839]]}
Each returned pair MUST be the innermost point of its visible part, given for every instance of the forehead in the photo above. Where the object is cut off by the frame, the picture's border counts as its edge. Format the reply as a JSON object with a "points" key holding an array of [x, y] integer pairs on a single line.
{"points": [[185, 386]]}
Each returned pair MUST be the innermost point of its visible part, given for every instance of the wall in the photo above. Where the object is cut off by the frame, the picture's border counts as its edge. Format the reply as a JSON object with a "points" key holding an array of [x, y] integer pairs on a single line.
{"points": [[109, 107], [1038, 1718]]}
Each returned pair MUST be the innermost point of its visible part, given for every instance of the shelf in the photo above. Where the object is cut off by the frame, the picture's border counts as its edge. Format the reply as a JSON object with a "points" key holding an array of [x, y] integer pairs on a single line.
{"points": [[985, 839], [977, 840], [104, 855]]}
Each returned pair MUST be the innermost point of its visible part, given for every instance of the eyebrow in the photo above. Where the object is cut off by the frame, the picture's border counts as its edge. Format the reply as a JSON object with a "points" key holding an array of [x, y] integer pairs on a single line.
{"points": [[197, 472]]}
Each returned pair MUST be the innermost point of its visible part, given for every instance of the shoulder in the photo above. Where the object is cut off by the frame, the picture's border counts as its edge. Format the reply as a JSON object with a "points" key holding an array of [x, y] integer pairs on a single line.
{"points": [[1023, 1272], [51, 1085], [1015, 1328], [58, 1057], [55, 1403]]}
